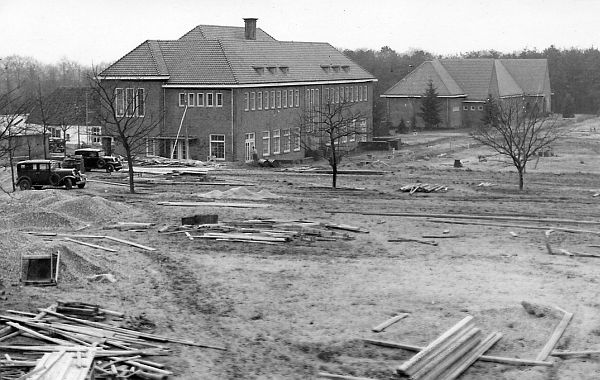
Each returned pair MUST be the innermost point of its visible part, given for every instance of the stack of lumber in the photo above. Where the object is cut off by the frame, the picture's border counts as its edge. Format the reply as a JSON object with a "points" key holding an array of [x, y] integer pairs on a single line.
{"points": [[423, 188], [54, 344], [450, 354], [266, 231]]}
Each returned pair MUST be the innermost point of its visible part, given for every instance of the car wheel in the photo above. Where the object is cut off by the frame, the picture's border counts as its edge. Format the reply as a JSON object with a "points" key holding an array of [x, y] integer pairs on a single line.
{"points": [[110, 168], [54, 179], [101, 163], [68, 183], [25, 184], [81, 185]]}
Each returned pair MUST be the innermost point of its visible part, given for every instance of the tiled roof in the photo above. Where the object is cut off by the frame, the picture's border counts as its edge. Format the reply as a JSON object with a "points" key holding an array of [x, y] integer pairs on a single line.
{"points": [[230, 61], [477, 78], [214, 32], [66, 106], [415, 83]]}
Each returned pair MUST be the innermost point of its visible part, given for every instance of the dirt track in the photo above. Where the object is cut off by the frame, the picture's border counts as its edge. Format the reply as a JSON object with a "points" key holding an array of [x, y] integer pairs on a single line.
{"points": [[288, 311]]}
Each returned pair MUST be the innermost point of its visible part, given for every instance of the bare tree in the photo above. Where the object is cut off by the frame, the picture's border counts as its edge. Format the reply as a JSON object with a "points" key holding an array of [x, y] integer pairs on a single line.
{"points": [[12, 128], [517, 128], [124, 116], [331, 130]]}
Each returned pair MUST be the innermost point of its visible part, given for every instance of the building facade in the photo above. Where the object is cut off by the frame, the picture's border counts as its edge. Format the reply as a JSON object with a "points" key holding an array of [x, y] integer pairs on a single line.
{"points": [[226, 93], [464, 85]]}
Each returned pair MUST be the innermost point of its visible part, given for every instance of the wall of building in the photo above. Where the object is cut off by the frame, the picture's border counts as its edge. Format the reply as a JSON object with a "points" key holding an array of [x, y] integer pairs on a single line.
{"points": [[399, 109]]}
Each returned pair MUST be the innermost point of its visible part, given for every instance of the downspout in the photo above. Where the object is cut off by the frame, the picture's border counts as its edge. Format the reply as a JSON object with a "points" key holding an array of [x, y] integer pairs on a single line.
{"points": [[232, 129]]}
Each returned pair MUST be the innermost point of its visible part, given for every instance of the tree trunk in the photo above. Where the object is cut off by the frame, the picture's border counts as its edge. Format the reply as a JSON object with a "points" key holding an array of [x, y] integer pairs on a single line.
{"points": [[521, 175], [334, 176], [130, 169]]}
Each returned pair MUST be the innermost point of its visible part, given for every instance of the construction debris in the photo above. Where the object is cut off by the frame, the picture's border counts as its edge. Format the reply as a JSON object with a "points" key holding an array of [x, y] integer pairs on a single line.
{"points": [[561, 251], [382, 326], [68, 237], [402, 240], [40, 269], [71, 344], [423, 188], [264, 231]]}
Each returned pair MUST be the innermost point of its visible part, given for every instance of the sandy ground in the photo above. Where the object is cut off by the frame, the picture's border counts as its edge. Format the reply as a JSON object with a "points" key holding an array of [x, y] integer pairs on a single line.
{"points": [[289, 311]]}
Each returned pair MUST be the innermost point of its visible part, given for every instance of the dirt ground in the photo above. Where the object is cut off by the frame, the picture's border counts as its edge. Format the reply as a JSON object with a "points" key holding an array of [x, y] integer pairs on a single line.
{"points": [[291, 310]]}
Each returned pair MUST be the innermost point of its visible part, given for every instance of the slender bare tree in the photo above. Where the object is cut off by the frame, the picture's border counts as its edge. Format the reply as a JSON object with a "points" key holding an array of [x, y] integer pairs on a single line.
{"points": [[517, 128], [124, 115], [331, 130]]}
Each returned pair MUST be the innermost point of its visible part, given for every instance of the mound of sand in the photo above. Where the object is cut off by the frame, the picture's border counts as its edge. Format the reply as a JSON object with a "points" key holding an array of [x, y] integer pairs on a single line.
{"points": [[88, 209], [239, 193]]}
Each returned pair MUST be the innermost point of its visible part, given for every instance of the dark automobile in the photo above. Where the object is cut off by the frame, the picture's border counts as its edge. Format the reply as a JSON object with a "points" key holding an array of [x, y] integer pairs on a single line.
{"points": [[96, 159], [39, 173]]}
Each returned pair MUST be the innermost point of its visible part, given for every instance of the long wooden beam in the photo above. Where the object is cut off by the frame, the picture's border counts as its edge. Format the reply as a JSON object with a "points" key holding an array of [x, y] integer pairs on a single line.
{"points": [[558, 332], [485, 358]]}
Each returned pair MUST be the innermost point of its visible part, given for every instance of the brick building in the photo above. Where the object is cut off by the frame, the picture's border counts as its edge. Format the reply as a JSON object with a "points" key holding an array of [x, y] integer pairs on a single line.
{"points": [[463, 86], [225, 91]]}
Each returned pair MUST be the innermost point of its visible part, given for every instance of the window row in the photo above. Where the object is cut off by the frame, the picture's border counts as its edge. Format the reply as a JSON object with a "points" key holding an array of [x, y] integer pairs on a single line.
{"points": [[201, 99], [473, 108], [264, 100], [346, 94], [280, 141], [130, 102], [179, 149]]}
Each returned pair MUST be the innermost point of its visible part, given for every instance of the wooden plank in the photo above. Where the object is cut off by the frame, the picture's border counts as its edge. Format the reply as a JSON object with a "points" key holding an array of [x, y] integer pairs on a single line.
{"points": [[445, 359], [558, 332], [408, 366], [89, 244], [523, 226], [326, 375], [567, 354], [130, 243], [37, 334], [485, 358], [401, 240], [382, 326], [468, 360], [214, 204]]}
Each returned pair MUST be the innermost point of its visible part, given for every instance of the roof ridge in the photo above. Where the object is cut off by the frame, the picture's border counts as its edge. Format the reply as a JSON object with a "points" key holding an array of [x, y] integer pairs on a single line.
{"points": [[235, 79], [446, 78], [157, 56]]}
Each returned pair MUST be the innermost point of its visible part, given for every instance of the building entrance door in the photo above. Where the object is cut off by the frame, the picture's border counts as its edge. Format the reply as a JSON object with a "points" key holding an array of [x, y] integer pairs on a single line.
{"points": [[250, 145]]}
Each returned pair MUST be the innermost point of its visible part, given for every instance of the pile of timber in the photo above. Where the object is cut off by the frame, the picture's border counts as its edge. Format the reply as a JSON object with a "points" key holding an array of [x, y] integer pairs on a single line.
{"points": [[66, 341], [423, 188], [266, 231], [450, 354]]}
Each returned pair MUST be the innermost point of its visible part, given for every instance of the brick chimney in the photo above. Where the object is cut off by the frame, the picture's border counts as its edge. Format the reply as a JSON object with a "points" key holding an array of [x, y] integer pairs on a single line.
{"points": [[250, 28]]}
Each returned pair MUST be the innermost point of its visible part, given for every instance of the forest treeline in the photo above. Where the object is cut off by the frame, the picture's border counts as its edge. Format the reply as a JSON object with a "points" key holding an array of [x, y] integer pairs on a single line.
{"points": [[574, 74]]}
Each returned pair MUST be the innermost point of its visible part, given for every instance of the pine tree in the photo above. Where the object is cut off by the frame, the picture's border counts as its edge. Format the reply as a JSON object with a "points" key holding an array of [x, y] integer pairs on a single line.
{"points": [[430, 107], [490, 112]]}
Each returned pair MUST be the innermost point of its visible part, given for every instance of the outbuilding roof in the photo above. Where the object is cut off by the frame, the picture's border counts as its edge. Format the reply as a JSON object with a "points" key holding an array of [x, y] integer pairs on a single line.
{"points": [[475, 78]]}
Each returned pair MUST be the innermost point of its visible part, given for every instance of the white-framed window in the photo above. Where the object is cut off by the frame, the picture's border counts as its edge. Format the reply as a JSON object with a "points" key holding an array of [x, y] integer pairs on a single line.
{"points": [[266, 143], [337, 95], [287, 143], [217, 147], [253, 100], [284, 95], [219, 99], [465, 108], [317, 101], [246, 101], [272, 100], [119, 102], [480, 108], [55, 132], [326, 95], [356, 93], [96, 132], [472, 108], [278, 99], [296, 140], [266, 100], [360, 93], [291, 96], [182, 99], [210, 99], [151, 147], [276, 142], [344, 131], [455, 108], [129, 102], [307, 98], [363, 130], [191, 99], [200, 99], [296, 98], [259, 105], [140, 101], [352, 134], [366, 92]]}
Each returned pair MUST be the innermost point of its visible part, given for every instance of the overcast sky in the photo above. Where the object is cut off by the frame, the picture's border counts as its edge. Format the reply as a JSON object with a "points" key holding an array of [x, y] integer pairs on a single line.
{"points": [[104, 30]]}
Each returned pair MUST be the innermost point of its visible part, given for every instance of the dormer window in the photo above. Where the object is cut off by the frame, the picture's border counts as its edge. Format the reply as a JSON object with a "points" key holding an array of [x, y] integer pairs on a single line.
{"points": [[346, 68], [326, 68], [260, 70], [336, 68], [284, 69], [272, 69]]}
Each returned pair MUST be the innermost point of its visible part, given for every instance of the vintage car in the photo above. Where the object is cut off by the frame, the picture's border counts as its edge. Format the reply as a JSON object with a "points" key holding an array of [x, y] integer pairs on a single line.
{"points": [[96, 159], [39, 173]]}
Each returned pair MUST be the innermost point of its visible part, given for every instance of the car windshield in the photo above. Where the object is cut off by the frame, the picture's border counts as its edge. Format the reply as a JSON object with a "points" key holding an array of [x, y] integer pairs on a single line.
{"points": [[55, 165]]}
